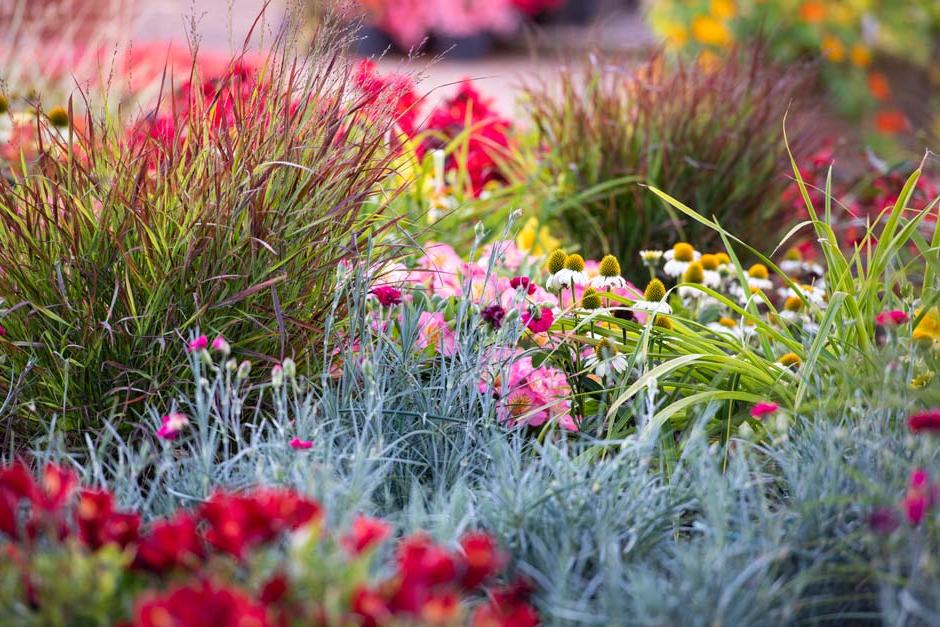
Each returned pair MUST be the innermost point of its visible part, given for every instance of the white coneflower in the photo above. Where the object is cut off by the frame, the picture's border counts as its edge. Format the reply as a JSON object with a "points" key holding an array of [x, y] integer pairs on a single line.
{"points": [[572, 274], [679, 258], [758, 276], [710, 268], [608, 277], [695, 275], [554, 265], [606, 361], [794, 263], [815, 294], [651, 258], [653, 299], [730, 326]]}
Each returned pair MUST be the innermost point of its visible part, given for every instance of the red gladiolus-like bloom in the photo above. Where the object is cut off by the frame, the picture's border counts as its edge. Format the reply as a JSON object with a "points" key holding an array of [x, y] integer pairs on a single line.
{"points": [[763, 409], [99, 524], [893, 318], [365, 534], [482, 558], [199, 605], [523, 282], [539, 323], [387, 295], [928, 421], [201, 343]]}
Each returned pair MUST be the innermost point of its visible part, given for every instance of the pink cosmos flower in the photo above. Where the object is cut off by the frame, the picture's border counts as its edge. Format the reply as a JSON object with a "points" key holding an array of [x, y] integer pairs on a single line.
{"points": [[764, 409], [433, 332], [892, 318], [540, 322], [201, 343], [301, 445], [172, 425], [387, 295], [928, 421]]}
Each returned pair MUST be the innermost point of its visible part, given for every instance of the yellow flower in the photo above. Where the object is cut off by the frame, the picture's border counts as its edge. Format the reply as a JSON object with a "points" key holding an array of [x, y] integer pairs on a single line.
{"points": [[833, 48], [534, 240], [861, 55], [723, 9], [790, 360], [928, 329], [710, 31], [675, 34], [922, 380]]}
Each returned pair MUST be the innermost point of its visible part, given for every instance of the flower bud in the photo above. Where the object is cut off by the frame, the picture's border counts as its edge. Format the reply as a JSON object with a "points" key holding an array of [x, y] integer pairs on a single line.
{"points": [[277, 376], [244, 369], [290, 368]]}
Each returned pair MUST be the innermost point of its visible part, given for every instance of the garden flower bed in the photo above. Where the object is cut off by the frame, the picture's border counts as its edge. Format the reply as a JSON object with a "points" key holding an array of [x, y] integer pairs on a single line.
{"points": [[291, 346]]}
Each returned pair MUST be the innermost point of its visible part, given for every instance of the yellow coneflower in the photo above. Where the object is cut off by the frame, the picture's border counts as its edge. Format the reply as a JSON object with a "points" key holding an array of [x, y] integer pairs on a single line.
{"points": [[653, 299], [556, 261], [663, 323], [790, 360], [58, 116], [591, 299], [709, 262], [695, 273], [575, 263], [794, 304], [609, 275], [655, 291]]}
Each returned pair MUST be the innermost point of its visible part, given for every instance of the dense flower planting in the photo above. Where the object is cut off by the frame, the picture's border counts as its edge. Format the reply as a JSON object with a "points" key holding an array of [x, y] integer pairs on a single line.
{"points": [[190, 569]]}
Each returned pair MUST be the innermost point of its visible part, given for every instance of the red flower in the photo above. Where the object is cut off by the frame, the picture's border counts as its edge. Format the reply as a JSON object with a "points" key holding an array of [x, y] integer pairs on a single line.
{"points": [[17, 479], [524, 282], [442, 608], [763, 409], [198, 605], [301, 445], [387, 295], [365, 534], [274, 589], [56, 488], [238, 522], [894, 318], [891, 122], [481, 558], [9, 504], [98, 523], [201, 343], [925, 421], [540, 322], [917, 501], [169, 544], [507, 607], [370, 607]]}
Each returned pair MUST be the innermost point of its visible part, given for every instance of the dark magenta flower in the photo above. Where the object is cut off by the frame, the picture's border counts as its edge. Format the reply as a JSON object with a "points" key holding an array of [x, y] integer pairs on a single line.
{"points": [[494, 315], [387, 295]]}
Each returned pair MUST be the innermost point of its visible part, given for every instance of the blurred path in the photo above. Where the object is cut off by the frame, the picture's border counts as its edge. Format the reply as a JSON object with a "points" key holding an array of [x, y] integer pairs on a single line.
{"points": [[221, 25]]}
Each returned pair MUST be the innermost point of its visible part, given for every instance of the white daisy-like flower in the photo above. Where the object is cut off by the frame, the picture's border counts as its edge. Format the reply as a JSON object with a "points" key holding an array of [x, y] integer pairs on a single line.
{"points": [[651, 257], [679, 258], [565, 279], [606, 361], [791, 266], [712, 278], [727, 326], [650, 306], [605, 283]]}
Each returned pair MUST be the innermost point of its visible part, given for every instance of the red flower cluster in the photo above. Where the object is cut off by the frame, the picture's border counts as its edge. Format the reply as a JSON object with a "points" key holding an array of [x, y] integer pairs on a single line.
{"points": [[391, 94], [488, 141], [925, 421], [429, 586]]}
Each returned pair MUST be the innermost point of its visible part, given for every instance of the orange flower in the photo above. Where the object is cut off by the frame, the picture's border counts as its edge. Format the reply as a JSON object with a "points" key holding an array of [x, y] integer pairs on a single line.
{"points": [[833, 48], [861, 55], [710, 31], [878, 86], [813, 12], [891, 122]]}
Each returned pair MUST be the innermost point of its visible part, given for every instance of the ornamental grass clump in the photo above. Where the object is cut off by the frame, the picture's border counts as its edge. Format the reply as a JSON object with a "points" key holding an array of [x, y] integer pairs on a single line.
{"points": [[711, 136], [228, 206]]}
